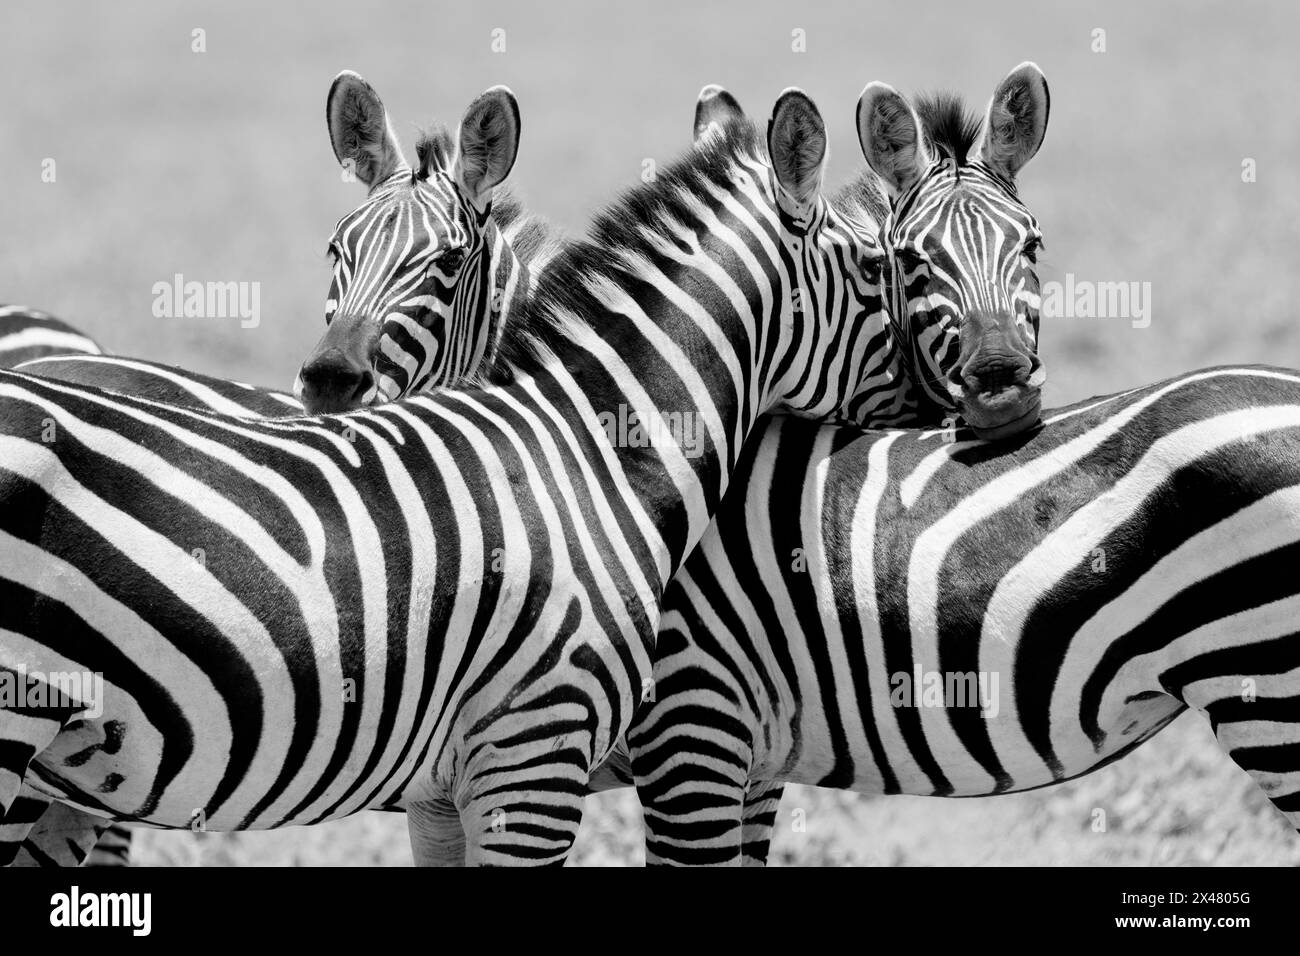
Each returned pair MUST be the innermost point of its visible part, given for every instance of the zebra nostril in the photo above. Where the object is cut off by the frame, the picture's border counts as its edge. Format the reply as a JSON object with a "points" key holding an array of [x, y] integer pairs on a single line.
{"points": [[956, 381], [364, 382]]}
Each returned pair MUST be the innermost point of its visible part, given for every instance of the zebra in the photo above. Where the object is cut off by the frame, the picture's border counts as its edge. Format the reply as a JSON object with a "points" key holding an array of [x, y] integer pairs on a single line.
{"points": [[961, 245], [62, 836], [27, 334], [448, 253], [422, 274], [489, 680], [30, 335], [710, 98], [510, 244], [963, 253], [978, 618], [52, 348], [166, 384]]}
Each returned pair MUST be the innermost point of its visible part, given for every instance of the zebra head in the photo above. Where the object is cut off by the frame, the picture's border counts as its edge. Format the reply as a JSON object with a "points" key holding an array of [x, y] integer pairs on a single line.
{"points": [[412, 302], [962, 246]]}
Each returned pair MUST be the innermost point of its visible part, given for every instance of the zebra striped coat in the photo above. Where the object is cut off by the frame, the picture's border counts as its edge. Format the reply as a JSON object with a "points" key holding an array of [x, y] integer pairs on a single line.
{"points": [[459, 602], [27, 334], [446, 333], [942, 616], [437, 329], [859, 203]]}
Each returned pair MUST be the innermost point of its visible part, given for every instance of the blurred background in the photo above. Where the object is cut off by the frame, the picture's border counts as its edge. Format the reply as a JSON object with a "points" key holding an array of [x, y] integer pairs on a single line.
{"points": [[1170, 159]]}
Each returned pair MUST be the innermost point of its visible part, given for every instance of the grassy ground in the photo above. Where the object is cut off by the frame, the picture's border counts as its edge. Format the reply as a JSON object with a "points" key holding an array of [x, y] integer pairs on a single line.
{"points": [[216, 165]]}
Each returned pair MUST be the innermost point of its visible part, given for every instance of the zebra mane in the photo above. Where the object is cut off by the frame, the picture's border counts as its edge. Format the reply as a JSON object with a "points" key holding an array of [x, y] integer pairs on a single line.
{"points": [[507, 208], [950, 129], [861, 202], [530, 236], [628, 227], [433, 150]]}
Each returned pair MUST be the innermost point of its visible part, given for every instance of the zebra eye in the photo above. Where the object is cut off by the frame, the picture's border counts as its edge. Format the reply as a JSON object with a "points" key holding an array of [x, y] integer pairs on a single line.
{"points": [[909, 258], [873, 262], [449, 262], [1030, 251]]}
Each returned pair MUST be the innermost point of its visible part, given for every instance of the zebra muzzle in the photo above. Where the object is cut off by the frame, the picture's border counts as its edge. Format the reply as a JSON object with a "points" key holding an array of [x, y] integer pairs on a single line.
{"points": [[999, 396], [332, 382]]}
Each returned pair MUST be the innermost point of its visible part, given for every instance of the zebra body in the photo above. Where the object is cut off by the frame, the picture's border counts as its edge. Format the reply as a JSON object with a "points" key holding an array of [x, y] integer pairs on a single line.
{"points": [[1073, 590], [481, 567], [520, 245], [166, 384], [450, 334], [27, 334], [66, 836]]}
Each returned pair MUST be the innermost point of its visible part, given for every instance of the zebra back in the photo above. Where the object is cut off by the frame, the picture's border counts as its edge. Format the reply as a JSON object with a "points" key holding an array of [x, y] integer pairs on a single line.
{"points": [[27, 334]]}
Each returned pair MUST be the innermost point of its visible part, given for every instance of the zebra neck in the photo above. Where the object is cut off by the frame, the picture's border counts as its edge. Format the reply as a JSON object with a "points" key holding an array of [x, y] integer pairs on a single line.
{"points": [[662, 451], [667, 376], [511, 282]]}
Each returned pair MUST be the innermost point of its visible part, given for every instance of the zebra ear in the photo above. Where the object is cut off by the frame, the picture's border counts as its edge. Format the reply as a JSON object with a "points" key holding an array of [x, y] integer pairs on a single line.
{"points": [[890, 135], [489, 142], [1017, 120], [796, 142], [359, 130], [714, 110]]}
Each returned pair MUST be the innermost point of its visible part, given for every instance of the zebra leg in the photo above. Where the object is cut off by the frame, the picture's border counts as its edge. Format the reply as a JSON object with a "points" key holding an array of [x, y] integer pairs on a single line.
{"points": [[26, 810], [437, 837], [500, 829], [762, 802], [1267, 749], [24, 733], [113, 848], [693, 808], [692, 783], [63, 836], [505, 826], [695, 827]]}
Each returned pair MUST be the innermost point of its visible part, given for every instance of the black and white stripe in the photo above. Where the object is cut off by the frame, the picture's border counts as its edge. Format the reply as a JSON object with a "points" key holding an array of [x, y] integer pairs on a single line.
{"points": [[1125, 561], [425, 268], [476, 307], [964, 304], [962, 245], [27, 334], [485, 565]]}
